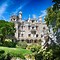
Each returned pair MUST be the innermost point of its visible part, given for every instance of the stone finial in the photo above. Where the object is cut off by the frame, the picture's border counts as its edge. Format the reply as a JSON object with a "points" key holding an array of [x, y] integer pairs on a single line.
{"points": [[40, 18], [20, 15], [29, 17], [20, 12]]}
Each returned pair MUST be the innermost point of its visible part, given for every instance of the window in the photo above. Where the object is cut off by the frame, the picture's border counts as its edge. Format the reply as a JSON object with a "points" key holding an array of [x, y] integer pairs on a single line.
{"points": [[33, 31], [33, 27], [29, 35], [14, 19], [32, 21], [22, 27], [18, 34], [21, 35], [41, 35], [29, 27], [11, 19], [35, 41], [36, 27], [22, 40], [27, 41], [44, 28], [36, 35], [18, 26]]}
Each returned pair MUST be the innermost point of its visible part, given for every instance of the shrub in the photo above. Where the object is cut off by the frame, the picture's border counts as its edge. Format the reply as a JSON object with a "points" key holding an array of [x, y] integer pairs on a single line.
{"points": [[1, 44], [9, 43], [34, 47], [2, 56], [21, 44], [2, 51], [51, 53], [8, 56]]}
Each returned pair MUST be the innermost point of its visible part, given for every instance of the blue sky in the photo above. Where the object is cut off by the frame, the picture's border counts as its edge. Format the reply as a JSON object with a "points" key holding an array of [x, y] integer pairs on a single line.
{"points": [[28, 7]]}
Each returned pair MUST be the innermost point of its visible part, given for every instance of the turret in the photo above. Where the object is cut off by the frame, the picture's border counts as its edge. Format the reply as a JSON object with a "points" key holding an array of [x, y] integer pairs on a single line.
{"points": [[20, 15], [14, 18]]}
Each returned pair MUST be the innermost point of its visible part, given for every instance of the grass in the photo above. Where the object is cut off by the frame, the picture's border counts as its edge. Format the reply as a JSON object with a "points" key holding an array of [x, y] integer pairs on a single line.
{"points": [[16, 52]]}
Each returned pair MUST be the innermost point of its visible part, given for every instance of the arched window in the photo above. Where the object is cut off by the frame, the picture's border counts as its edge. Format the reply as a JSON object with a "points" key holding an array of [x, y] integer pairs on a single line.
{"points": [[36, 35]]}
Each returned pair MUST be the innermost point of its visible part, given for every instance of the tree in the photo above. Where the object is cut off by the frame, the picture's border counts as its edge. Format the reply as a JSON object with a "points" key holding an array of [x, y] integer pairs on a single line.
{"points": [[56, 5], [58, 19], [7, 30], [53, 20], [54, 13], [50, 53], [51, 17]]}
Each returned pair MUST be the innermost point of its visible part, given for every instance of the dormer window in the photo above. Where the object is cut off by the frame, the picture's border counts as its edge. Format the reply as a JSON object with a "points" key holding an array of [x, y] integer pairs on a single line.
{"points": [[32, 21]]}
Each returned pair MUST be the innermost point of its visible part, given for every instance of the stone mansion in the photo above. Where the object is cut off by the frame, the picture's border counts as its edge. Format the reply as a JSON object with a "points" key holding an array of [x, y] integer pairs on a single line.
{"points": [[29, 30]]}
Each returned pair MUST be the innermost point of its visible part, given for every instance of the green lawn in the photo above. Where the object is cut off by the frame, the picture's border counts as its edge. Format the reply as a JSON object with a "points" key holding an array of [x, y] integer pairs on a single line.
{"points": [[18, 52]]}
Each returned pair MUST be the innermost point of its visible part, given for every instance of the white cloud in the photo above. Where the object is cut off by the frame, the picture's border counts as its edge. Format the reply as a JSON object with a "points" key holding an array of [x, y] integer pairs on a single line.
{"points": [[34, 16], [43, 13], [3, 8]]}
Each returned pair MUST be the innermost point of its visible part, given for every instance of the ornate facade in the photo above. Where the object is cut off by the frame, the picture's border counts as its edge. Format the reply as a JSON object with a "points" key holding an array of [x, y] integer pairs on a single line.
{"points": [[29, 30]]}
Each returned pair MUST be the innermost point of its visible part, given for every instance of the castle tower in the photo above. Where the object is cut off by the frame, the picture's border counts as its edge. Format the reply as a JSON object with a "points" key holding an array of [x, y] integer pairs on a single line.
{"points": [[16, 33], [14, 19], [20, 15]]}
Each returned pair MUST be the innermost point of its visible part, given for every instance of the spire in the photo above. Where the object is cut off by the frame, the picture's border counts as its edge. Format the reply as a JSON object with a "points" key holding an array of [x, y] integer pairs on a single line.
{"points": [[40, 18], [20, 15], [20, 12], [29, 17]]}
